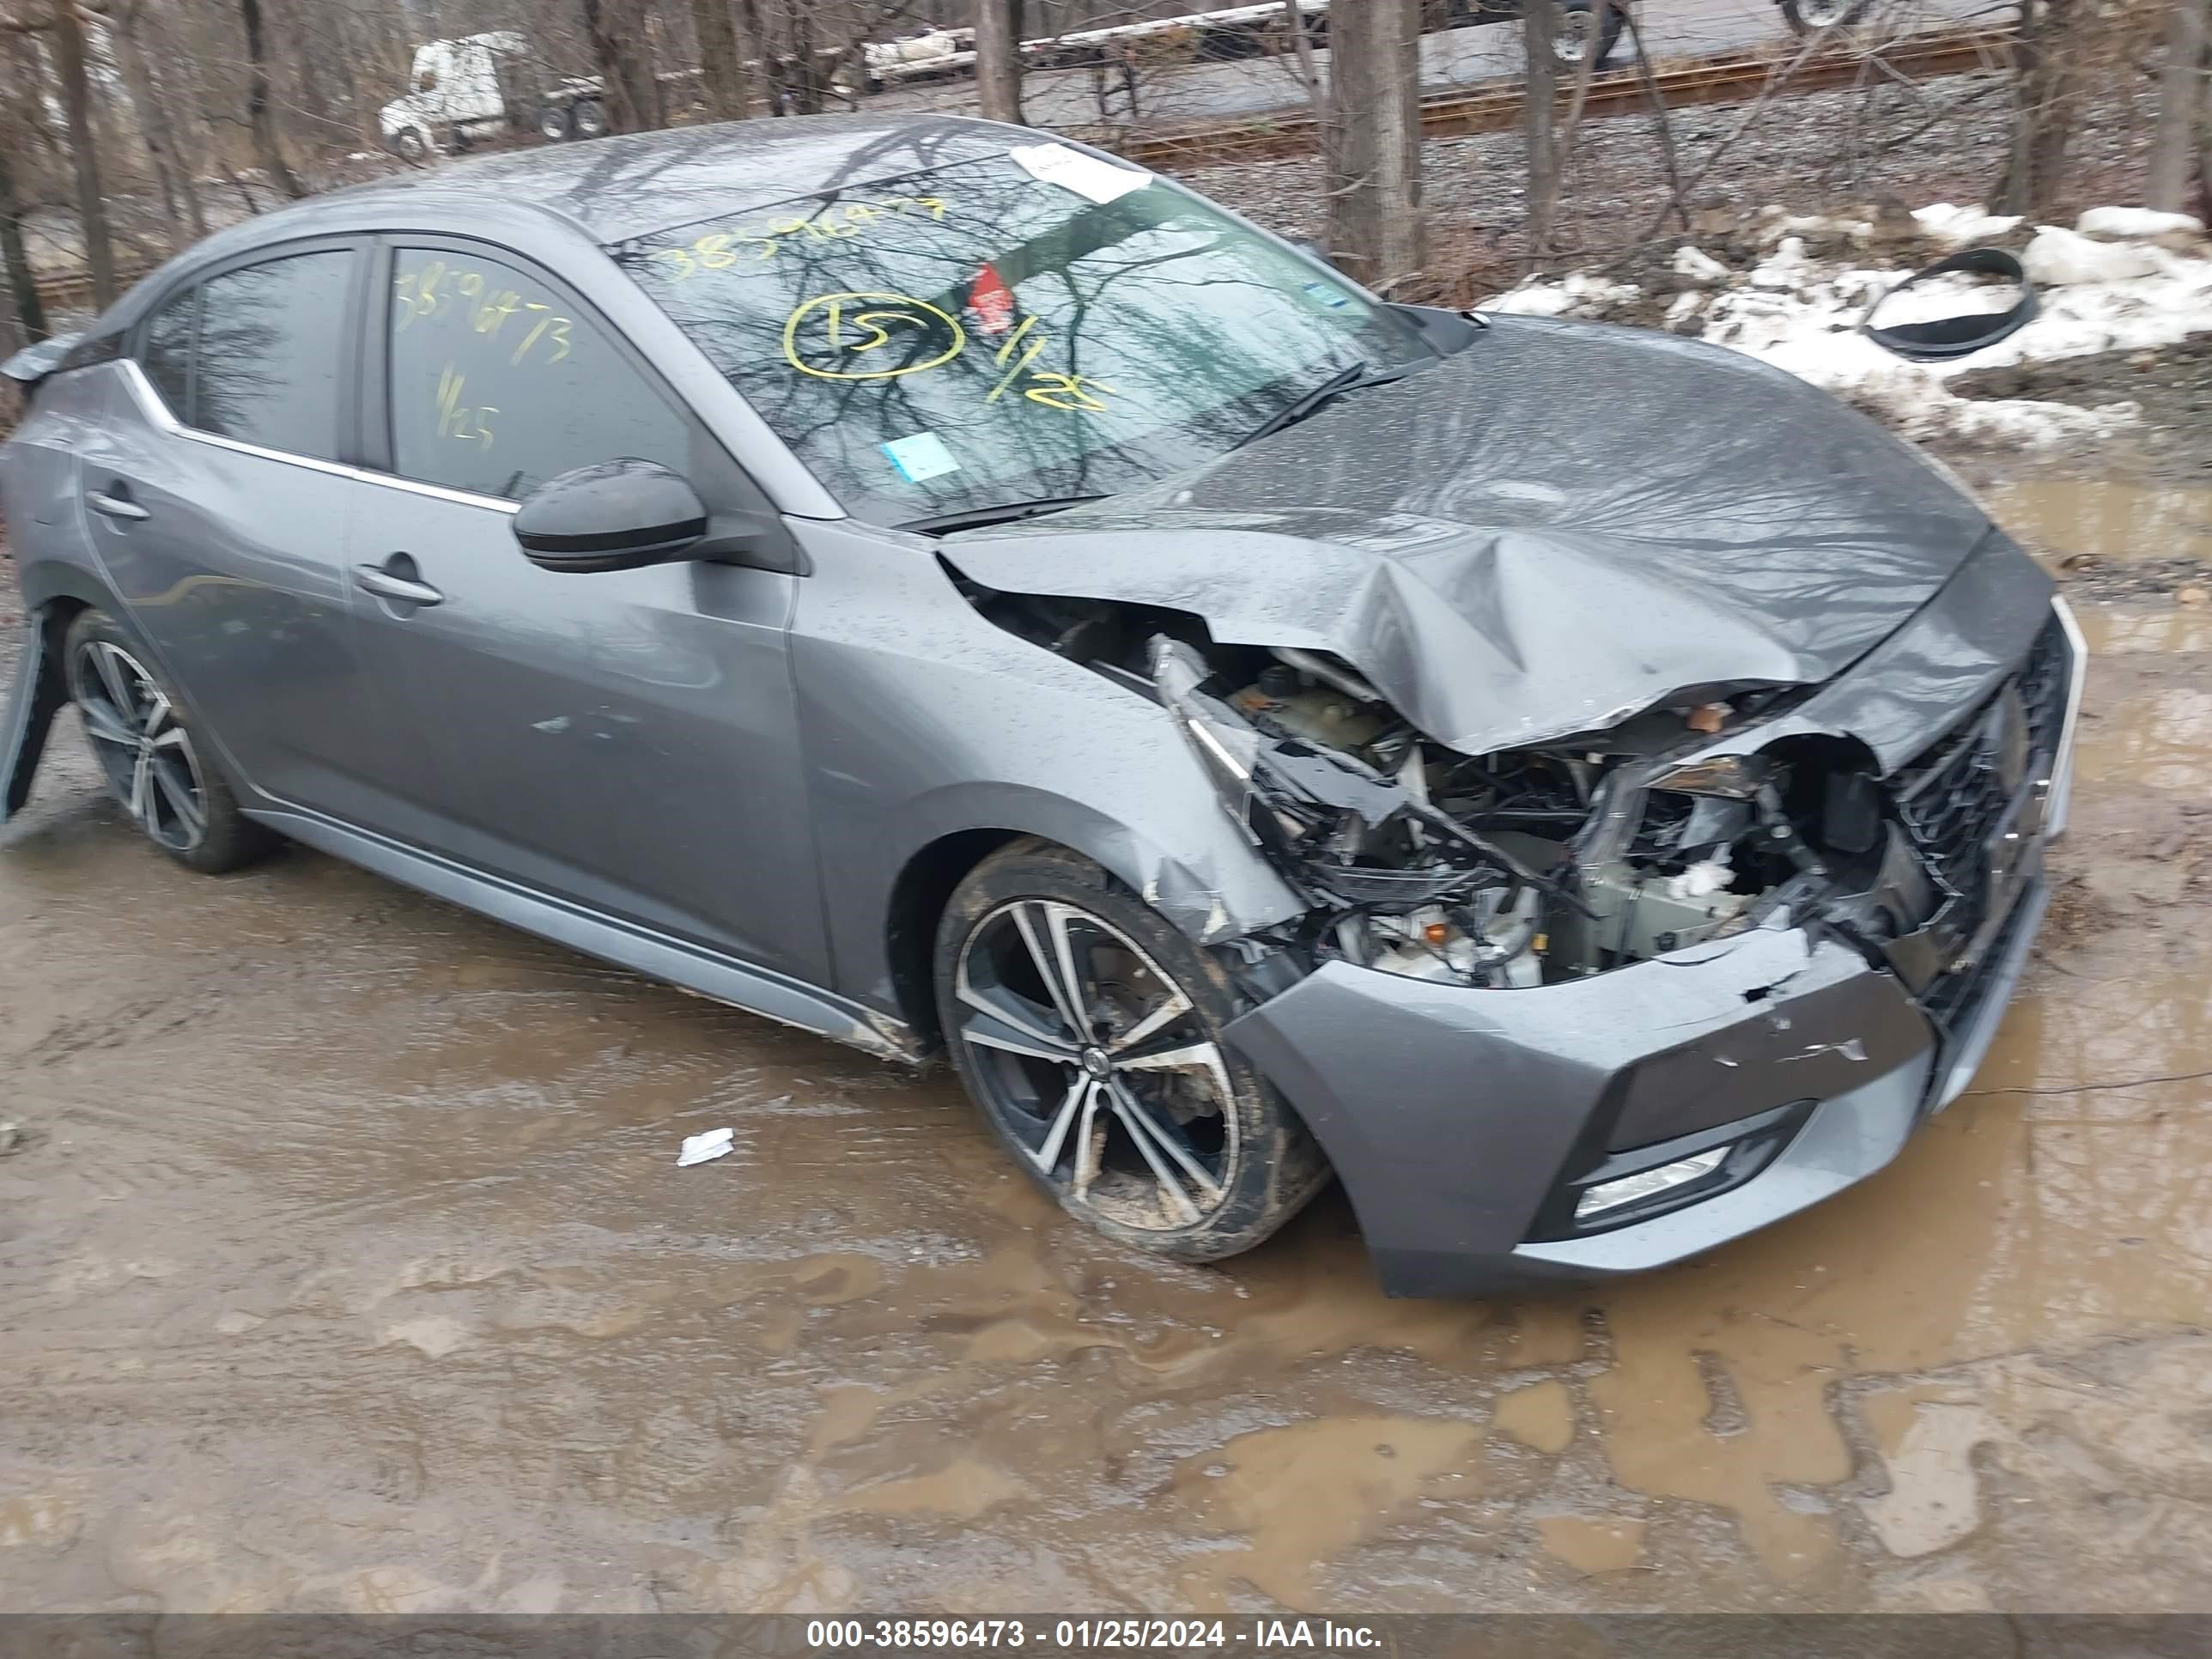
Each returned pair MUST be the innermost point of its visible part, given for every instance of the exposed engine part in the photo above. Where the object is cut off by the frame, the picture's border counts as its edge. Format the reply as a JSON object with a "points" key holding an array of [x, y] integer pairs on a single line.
{"points": [[1330, 673]]}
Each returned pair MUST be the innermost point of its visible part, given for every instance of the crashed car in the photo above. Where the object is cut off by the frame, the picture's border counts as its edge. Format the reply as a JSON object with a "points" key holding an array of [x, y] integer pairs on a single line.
{"points": [[943, 588]]}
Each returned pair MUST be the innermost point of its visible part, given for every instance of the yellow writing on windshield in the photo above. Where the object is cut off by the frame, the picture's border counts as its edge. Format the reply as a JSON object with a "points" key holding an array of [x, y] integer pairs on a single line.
{"points": [[722, 250], [838, 330]]}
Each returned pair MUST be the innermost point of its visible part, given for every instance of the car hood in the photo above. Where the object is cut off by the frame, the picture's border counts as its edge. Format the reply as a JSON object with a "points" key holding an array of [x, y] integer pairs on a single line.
{"points": [[1559, 525]]}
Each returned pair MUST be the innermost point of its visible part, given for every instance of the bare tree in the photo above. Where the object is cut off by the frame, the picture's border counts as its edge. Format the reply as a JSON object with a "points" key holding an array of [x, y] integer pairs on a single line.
{"points": [[29, 309], [998, 61], [1540, 23], [181, 200], [2174, 155], [721, 64], [625, 61], [2043, 107], [65, 31], [1377, 230], [260, 116]]}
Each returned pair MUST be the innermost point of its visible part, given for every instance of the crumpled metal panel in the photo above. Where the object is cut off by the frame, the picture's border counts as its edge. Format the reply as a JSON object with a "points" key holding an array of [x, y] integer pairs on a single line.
{"points": [[1557, 526]]}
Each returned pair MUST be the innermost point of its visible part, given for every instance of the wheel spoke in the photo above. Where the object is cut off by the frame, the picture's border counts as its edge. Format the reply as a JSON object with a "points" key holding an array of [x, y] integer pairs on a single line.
{"points": [[1151, 1140], [141, 804], [1008, 1010], [1190, 1057], [157, 714], [991, 1029], [109, 664], [1090, 1146], [1047, 964], [1172, 1008], [179, 794], [103, 725], [1047, 1157]]}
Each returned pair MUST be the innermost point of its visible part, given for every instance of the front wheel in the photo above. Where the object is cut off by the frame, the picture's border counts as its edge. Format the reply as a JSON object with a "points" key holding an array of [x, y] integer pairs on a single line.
{"points": [[1808, 16], [1088, 1029], [589, 118], [553, 123], [150, 756], [411, 144]]}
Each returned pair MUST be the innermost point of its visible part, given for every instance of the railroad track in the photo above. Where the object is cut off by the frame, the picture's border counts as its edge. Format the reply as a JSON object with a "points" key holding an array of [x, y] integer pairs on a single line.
{"points": [[1723, 77], [71, 290]]}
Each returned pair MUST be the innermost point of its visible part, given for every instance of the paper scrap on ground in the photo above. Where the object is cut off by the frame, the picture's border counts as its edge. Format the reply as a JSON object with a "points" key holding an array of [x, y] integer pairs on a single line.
{"points": [[702, 1149], [1071, 169]]}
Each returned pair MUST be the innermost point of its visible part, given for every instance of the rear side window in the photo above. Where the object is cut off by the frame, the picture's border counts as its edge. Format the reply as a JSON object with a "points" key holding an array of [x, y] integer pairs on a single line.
{"points": [[497, 383], [166, 355], [266, 370]]}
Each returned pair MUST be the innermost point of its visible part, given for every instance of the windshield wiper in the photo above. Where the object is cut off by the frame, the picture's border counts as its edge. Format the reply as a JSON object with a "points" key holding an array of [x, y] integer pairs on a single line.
{"points": [[973, 517], [1352, 378]]}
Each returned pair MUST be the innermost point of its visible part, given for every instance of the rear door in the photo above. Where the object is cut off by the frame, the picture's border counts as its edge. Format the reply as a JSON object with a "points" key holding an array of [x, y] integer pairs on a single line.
{"points": [[215, 500], [626, 739]]}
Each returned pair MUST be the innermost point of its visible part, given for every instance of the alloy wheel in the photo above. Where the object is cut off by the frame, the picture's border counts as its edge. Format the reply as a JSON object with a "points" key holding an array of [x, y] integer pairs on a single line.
{"points": [[147, 757], [1095, 1062]]}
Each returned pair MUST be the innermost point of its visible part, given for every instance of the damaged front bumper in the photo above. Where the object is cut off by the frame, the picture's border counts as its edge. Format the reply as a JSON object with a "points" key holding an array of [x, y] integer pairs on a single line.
{"points": [[1491, 1140]]}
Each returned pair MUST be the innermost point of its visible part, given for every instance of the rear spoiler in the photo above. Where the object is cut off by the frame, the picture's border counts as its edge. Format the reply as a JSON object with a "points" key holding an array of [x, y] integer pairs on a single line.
{"points": [[34, 363]]}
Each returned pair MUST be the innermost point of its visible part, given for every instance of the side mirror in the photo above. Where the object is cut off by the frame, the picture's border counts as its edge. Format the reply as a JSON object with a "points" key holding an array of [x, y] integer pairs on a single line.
{"points": [[615, 516]]}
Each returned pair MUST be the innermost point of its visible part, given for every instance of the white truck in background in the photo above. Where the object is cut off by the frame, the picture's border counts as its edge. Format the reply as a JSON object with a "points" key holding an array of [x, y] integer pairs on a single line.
{"points": [[475, 85]]}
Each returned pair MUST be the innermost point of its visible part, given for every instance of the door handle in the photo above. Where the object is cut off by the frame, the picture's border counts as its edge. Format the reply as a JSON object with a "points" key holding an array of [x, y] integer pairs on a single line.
{"points": [[371, 579], [116, 506]]}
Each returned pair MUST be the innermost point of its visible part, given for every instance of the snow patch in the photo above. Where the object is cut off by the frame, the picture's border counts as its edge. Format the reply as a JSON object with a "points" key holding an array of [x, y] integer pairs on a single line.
{"points": [[1962, 227], [1802, 314], [2124, 222]]}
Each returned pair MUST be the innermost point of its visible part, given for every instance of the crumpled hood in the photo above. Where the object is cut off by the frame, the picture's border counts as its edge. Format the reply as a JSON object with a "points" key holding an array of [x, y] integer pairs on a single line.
{"points": [[1560, 526]]}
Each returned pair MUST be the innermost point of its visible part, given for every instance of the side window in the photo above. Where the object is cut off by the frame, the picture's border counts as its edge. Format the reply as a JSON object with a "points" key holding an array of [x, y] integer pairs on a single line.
{"points": [[166, 355], [497, 385], [267, 369]]}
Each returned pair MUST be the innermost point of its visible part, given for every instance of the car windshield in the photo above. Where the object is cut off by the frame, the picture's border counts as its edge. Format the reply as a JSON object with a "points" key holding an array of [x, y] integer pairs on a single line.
{"points": [[1036, 327]]}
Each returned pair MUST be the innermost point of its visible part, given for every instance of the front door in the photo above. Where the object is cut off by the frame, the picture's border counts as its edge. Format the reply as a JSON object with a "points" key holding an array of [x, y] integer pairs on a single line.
{"points": [[627, 740]]}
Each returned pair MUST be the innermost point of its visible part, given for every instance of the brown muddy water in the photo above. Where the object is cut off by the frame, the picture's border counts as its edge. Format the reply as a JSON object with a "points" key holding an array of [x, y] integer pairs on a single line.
{"points": [[344, 1264]]}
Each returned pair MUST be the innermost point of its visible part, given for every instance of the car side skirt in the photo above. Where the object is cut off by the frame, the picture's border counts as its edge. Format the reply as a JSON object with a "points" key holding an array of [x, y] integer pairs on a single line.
{"points": [[756, 990]]}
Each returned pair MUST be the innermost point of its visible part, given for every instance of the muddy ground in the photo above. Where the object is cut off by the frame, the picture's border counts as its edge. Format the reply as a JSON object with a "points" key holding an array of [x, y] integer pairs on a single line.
{"points": [[344, 1264]]}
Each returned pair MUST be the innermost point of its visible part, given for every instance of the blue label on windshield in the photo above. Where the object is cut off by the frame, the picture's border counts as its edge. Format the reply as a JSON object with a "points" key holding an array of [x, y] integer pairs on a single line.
{"points": [[1334, 298], [922, 456]]}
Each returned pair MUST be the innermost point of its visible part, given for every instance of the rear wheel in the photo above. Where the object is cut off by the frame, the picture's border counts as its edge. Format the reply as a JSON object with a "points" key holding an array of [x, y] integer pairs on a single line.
{"points": [[1805, 17], [589, 118], [553, 123], [411, 144], [1088, 1029], [145, 743]]}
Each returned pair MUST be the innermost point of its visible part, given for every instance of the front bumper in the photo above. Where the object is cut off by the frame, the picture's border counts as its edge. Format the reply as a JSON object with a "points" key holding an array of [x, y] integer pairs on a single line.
{"points": [[1464, 1122]]}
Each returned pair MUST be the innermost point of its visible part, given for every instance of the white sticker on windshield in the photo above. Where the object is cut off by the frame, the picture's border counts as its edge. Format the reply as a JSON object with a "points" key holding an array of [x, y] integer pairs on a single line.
{"points": [[922, 456], [1071, 169]]}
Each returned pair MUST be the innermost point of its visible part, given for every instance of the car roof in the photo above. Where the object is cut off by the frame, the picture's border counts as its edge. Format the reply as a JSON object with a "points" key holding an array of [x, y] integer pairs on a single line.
{"points": [[622, 186]]}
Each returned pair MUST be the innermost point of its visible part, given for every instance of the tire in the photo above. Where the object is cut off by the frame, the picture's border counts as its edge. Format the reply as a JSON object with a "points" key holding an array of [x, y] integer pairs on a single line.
{"points": [[141, 736], [588, 119], [1808, 16], [411, 144], [1152, 1131], [1575, 21], [553, 123]]}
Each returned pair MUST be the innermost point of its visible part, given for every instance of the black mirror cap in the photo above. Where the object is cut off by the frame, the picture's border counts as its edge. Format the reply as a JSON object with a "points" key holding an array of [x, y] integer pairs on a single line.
{"points": [[613, 515]]}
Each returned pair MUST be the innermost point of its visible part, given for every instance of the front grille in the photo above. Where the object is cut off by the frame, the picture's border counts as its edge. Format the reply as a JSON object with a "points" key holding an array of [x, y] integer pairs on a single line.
{"points": [[1950, 802]]}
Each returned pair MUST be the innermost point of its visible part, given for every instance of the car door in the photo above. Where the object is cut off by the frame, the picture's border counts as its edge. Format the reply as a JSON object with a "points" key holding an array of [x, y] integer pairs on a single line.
{"points": [[215, 500], [626, 739]]}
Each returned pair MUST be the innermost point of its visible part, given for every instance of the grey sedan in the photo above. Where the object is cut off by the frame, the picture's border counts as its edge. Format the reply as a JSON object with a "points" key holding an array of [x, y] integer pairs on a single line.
{"points": [[941, 587]]}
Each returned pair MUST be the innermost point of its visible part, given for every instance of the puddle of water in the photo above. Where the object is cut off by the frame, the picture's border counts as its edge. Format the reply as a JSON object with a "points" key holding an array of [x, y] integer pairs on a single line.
{"points": [[2109, 518], [2160, 736]]}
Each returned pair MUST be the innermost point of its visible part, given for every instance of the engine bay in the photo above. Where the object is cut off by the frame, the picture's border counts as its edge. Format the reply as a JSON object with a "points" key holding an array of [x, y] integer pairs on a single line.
{"points": [[1523, 867]]}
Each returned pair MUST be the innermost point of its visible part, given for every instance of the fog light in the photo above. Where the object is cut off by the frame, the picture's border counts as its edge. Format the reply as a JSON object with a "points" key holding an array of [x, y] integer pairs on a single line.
{"points": [[1647, 1183]]}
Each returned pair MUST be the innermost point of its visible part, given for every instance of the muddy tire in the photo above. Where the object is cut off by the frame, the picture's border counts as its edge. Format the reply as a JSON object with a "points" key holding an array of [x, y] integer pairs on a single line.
{"points": [[143, 738], [1805, 17], [1580, 27], [588, 119], [1088, 1031], [411, 144]]}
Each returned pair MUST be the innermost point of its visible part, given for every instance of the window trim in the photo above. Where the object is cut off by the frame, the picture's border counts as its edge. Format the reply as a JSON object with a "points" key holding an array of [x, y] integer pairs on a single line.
{"points": [[346, 434]]}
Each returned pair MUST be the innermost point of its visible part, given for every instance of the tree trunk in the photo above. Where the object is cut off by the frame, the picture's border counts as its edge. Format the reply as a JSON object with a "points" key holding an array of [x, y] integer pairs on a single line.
{"points": [[1541, 24], [722, 66], [1301, 51], [618, 45], [1376, 231], [2044, 97], [30, 310], [84, 151], [260, 114], [2173, 151], [998, 62], [179, 202]]}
